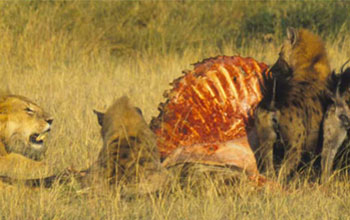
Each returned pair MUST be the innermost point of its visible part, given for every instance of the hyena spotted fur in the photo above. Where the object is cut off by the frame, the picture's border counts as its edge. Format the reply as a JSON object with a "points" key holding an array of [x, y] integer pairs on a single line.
{"points": [[290, 114]]}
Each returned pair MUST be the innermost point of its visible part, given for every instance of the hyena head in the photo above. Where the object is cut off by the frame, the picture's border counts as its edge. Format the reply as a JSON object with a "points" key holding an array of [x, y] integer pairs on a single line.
{"points": [[303, 55], [338, 112], [336, 119], [336, 122], [284, 64]]}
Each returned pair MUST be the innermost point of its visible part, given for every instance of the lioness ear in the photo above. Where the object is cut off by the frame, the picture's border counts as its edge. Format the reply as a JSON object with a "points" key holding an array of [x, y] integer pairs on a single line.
{"points": [[100, 116], [292, 35]]}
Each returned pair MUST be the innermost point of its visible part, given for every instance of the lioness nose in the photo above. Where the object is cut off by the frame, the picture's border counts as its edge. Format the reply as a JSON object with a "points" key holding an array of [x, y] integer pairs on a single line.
{"points": [[49, 121]]}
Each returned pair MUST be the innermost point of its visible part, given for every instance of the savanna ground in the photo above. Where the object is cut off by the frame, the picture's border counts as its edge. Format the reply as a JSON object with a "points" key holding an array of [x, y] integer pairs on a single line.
{"points": [[71, 57]]}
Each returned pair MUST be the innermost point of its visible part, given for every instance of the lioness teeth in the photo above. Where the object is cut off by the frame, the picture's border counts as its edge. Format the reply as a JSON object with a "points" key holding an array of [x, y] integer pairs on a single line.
{"points": [[41, 137]]}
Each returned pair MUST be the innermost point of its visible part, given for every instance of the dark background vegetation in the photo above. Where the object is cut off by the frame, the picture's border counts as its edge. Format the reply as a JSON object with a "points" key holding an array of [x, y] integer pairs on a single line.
{"points": [[130, 27]]}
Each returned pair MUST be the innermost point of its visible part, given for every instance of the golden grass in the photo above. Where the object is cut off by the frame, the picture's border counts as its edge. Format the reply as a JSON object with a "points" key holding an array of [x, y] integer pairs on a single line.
{"points": [[69, 77]]}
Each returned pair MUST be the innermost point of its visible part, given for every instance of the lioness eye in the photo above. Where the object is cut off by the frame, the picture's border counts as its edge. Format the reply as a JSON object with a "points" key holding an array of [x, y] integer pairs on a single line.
{"points": [[29, 111]]}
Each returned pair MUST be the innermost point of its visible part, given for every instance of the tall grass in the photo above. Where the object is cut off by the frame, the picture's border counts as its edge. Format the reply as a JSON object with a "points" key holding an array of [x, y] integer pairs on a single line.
{"points": [[71, 57]]}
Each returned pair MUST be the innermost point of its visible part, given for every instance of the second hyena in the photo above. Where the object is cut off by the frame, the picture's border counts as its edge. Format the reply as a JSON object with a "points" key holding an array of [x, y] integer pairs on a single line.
{"points": [[336, 123]]}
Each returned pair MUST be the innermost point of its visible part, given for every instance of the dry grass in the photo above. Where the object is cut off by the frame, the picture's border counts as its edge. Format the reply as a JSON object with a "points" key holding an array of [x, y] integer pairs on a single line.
{"points": [[70, 76]]}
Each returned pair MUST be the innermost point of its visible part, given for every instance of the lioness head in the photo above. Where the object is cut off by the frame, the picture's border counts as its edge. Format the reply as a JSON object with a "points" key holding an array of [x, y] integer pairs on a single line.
{"points": [[23, 126]]}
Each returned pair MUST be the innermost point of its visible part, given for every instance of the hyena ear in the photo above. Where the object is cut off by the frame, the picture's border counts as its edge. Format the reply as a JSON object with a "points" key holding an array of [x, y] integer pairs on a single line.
{"points": [[292, 35], [100, 117]]}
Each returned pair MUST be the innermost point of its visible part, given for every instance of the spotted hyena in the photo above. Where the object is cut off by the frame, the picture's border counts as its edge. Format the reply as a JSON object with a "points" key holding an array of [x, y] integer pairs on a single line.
{"points": [[289, 116]]}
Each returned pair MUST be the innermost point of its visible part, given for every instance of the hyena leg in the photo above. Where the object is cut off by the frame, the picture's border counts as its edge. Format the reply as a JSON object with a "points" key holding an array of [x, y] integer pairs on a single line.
{"points": [[265, 154], [291, 161], [264, 124]]}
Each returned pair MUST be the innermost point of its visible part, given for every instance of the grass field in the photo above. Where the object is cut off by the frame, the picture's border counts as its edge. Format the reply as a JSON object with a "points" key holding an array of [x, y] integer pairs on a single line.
{"points": [[71, 57]]}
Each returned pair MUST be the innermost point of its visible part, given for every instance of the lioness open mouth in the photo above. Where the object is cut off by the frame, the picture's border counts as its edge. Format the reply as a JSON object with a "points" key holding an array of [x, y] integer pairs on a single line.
{"points": [[38, 139]]}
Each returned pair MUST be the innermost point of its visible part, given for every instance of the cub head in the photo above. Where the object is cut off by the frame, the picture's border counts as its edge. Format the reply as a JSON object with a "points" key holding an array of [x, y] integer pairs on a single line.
{"points": [[23, 126], [128, 142], [120, 121], [304, 55]]}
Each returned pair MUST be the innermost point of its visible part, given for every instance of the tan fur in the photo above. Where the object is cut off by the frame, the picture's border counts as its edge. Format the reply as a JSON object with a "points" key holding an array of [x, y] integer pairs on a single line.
{"points": [[293, 119], [129, 153], [20, 119], [306, 55]]}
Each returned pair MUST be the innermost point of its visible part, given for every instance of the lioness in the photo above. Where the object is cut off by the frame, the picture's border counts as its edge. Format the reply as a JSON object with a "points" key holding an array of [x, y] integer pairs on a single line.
{"points": [[23, 127]]}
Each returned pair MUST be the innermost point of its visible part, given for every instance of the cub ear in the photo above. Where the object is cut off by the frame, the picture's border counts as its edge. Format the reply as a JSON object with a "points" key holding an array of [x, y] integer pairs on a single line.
{"points": [[292, 35], [100, 116], [138, 110]]}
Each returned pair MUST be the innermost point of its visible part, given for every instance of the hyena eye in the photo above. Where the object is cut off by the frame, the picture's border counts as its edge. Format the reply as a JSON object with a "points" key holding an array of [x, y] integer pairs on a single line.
{"points": [[29, 111]]}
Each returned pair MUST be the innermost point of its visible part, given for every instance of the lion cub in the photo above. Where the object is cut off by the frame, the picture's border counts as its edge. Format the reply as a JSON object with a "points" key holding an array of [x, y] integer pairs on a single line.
{"points": [[290, 114], [129, 154]]}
